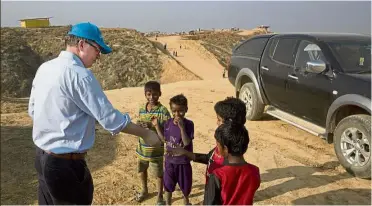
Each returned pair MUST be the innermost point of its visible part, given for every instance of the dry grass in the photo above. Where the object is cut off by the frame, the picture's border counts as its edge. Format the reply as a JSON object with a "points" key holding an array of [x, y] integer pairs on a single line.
{"points": [[13, 105], [292, 171], [18, 175], [133, 62]]}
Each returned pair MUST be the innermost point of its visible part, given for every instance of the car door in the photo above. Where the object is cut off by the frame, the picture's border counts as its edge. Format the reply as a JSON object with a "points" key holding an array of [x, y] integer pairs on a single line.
{"points": [[311, 94], [276, 64]]}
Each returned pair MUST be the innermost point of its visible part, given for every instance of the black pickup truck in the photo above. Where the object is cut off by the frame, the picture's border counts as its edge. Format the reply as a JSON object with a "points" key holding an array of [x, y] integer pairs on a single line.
{"points": [[319, 82]]}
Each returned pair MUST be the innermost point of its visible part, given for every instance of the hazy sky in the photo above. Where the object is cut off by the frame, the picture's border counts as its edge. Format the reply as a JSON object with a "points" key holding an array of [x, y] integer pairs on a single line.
{"points": [[311, 16]]}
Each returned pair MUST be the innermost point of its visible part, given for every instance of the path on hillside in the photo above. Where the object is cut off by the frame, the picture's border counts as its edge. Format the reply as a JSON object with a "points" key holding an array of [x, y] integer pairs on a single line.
{"points": [[193, 56], [295, 166]]}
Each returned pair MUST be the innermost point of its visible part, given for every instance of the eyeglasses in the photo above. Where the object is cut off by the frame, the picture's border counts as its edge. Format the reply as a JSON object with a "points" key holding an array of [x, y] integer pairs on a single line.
{"points": [[94, 46]]}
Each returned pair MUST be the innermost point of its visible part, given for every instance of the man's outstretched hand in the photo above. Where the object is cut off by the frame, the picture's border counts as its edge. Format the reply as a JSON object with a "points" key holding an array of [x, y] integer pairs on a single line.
{"points": [[152, 139]]}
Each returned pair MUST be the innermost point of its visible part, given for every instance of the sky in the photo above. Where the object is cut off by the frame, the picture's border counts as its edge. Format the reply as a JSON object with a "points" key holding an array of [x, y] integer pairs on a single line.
{"points": [[176, 16]]}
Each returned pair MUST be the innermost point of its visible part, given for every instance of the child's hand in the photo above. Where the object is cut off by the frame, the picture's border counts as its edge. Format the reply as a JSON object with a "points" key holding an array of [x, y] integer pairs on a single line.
{"points": [[181, 124], [177, 151], [154, 121], [142, 124], [139, 122]]}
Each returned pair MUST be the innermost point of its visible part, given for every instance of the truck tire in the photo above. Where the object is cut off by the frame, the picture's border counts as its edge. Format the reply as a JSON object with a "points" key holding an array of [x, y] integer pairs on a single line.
{"points": [[352, 141], [249, 96]]}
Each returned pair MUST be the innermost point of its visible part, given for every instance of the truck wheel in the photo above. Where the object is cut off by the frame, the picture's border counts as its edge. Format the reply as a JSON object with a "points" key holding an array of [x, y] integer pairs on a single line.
{"points": [[353, 143], [248, 95]]}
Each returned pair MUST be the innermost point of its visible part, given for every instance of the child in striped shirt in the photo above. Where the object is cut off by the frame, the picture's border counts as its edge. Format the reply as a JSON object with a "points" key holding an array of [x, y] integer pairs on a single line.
{"points": [[151, 156]]}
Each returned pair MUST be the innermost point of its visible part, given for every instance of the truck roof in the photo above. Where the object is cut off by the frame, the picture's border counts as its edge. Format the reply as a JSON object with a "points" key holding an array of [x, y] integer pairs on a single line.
{"points": [[328, 36]]}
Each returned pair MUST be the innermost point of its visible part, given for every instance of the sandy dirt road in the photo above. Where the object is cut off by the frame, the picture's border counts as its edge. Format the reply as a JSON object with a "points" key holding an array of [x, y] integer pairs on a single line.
{"points": [[296, 167], [194, 56]]}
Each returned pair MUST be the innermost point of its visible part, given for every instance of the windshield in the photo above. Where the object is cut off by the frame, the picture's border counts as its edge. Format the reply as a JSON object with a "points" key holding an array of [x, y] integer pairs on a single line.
{"points": [[354, 56]]}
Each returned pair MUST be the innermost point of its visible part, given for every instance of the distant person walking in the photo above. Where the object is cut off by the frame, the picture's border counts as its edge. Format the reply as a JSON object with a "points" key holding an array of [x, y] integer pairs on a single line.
{"points": [[165, 46], [66, 101]]}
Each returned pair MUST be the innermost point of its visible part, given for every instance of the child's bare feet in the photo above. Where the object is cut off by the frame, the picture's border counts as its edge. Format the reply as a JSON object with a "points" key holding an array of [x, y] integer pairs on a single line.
{"points": [[141, 196], [186, 201], [160, 201], [168, 198]]}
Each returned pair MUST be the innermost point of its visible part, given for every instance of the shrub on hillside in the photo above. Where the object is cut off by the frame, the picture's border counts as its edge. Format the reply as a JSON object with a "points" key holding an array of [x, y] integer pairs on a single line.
{"points": [[133, 62]]}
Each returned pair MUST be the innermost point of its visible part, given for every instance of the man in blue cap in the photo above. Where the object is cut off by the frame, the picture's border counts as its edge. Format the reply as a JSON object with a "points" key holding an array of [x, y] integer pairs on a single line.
{"points": [[65, 102]]}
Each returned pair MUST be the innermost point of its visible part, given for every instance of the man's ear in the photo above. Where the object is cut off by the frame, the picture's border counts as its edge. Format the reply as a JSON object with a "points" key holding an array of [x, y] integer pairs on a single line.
{"points": [[80, 45]]}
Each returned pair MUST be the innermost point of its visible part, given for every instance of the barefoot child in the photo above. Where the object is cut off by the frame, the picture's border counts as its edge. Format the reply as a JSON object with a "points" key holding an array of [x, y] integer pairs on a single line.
{"points": [[237, 181], [152, 156], [229, 110], [178, 132]]}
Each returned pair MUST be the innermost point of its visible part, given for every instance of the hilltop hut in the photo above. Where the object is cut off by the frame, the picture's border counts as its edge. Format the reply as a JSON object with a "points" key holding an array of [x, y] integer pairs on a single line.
{"points": [[35, 22]]}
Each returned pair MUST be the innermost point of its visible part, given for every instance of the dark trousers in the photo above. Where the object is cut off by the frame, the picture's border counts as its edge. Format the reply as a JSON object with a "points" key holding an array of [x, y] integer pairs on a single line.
{"points": [[63, 181]]}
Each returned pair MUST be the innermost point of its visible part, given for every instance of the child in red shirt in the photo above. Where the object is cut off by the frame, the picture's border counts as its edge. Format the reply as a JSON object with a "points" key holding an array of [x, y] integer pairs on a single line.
{"points": [[237, 181], [229, 110]]}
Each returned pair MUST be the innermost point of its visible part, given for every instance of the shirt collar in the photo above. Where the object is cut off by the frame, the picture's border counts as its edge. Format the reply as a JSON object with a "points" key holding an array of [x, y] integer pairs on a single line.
{"points": [[227, 163], [71, 56], [154, 108]]}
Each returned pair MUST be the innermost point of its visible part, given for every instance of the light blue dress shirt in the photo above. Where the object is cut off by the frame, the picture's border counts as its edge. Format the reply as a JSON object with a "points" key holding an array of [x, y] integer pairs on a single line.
{"points": [[65, 102]]}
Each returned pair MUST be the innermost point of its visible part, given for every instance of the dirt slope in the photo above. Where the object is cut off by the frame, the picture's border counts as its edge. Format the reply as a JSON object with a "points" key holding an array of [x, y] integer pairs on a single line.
{"points": [[197, 59], [221, 43], [133, 62], [296, 167]]}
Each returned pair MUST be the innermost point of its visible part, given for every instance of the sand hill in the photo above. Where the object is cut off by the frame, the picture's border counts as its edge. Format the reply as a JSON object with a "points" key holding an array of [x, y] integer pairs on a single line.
{"points": [[295, 166], [134, 60]]}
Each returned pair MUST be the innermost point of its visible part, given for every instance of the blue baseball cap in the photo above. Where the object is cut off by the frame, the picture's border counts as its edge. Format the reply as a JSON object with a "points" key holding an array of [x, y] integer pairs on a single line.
{"points": [[91, 32]]}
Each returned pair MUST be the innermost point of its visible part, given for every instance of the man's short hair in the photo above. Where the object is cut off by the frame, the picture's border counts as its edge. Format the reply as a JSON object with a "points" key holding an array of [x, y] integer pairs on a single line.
{"points": [[72, 40], [234, 136], [152, 86], [231, 109]]}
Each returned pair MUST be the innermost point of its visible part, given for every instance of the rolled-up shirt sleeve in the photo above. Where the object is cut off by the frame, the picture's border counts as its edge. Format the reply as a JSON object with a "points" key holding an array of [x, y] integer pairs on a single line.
{"points": [[93, 101]]}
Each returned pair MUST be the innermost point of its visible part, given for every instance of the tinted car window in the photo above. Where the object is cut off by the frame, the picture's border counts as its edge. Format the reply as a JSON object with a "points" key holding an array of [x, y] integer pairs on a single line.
{"points": [[283, 50], [253, 48], [354, 56]]}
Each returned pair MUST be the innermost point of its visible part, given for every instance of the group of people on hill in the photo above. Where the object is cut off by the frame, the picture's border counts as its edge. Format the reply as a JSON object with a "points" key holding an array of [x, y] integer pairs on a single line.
{"points": [[66, 101]]}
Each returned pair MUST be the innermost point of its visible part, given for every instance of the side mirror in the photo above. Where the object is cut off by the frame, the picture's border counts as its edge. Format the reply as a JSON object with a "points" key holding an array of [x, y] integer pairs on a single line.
{"points": [[316, 66]]}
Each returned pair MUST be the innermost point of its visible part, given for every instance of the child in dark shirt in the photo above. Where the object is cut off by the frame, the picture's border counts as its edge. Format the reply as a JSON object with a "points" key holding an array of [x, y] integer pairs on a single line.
{"points": [[237, 181], [228, 110], [178, 132]]}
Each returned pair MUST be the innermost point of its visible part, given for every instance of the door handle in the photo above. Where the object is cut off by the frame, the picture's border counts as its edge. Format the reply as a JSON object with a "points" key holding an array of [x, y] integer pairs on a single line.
{"points": [[265, 68], [292, 77]]}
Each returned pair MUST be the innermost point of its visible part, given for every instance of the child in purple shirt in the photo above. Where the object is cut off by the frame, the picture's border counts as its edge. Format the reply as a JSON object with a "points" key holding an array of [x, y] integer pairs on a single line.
{"points": [[178, 132]]}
